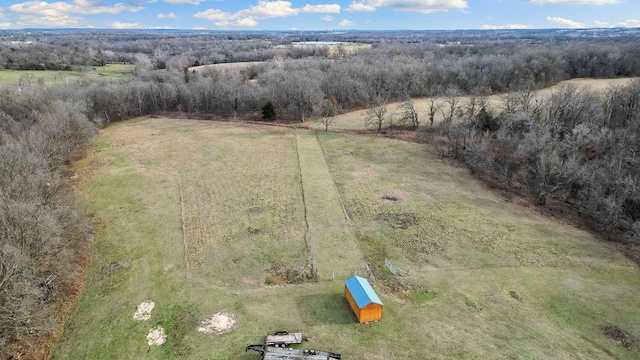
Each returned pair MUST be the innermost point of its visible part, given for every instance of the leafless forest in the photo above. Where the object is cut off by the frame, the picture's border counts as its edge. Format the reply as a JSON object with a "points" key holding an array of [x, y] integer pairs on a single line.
{"points": [[578, 149]]}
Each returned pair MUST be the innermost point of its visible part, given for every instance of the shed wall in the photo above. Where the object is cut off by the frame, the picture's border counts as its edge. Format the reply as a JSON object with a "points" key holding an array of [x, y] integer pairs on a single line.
{"points": [[352, 302], [371, 312]]}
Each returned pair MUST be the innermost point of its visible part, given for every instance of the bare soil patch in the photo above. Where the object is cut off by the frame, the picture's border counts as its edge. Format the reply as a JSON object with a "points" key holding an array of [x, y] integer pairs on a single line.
{"points": [[254, 231], [391, 198], [254, 211], [398, 221], [219, 323], [620, 336], [280, 274]]}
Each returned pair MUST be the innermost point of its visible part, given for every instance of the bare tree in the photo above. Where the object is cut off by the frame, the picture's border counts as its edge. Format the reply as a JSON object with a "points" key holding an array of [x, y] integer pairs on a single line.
{"points": [[327, 112], [434, 107], [376, 115], [452, 100], [409, 114]]}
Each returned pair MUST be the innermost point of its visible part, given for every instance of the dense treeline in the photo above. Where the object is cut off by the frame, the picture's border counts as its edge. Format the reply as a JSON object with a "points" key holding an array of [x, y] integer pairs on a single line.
{"points": [[578, 147], [41, 233]]}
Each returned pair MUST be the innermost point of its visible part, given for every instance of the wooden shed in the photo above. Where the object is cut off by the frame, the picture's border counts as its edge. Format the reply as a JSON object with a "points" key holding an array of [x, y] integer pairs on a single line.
{"points": [[364, 302]]}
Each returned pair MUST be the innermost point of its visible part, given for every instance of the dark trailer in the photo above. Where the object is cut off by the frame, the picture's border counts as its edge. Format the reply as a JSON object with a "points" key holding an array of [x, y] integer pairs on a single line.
{"points": [[278, 353]]}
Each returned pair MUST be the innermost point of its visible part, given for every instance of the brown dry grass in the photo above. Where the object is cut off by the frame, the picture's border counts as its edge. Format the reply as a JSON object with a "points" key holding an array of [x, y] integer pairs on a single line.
{"points": [[354, 120], [236, 66]]}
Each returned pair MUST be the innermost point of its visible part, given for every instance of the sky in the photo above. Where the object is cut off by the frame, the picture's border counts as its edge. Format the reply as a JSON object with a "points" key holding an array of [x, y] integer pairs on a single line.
{"points": [[319, 14]]}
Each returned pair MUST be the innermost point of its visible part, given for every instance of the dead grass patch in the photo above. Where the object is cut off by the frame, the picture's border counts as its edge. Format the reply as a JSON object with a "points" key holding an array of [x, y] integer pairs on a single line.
{"points": [[113, 267], [254, 211], [280, 274], [254, 231], [398, 220]]}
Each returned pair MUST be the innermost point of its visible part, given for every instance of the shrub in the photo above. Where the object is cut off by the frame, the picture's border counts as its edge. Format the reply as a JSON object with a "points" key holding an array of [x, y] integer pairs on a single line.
{"points": [[268, 112]]}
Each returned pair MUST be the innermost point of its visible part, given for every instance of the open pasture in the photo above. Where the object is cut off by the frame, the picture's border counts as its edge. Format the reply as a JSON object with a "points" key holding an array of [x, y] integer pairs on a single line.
{"points": [[204, 217], [236, 66], [52, 77], [354, 120]]}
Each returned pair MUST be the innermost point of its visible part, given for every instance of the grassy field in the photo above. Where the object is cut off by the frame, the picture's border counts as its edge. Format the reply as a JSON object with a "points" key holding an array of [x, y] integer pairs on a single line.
{"points": [[237, 66], [202, 217], [50, 77], [354, 120]]}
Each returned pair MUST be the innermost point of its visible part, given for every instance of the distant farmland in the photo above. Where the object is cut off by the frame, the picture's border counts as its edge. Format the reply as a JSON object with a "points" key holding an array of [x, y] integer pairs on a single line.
{"points": [[51, 77]]}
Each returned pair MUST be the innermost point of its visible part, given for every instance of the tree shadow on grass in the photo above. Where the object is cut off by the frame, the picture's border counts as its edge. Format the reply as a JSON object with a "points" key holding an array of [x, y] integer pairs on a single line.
{"points": [[325, 309]]}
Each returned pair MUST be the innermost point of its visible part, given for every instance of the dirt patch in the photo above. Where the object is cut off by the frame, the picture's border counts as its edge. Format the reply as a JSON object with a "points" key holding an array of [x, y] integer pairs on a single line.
{"points": [[618, 335], [254, 211], [156, 337], [280, 274], [391, 198], [113, 267], [397, 221], [254, 231], [219, 323], [143, 311]]}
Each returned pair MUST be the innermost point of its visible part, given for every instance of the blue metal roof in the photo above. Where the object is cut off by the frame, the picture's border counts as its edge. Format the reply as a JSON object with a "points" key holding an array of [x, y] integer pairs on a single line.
{"points": [[362, 292]]}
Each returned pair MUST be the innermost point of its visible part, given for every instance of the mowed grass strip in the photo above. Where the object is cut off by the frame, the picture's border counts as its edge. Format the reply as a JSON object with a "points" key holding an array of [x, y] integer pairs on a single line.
{"points": [[331, 238]]}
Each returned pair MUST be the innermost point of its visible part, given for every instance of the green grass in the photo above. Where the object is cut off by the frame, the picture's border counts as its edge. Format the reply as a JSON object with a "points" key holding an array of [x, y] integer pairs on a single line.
{"points": [[328, 226], [51, 77], [487, 278]]}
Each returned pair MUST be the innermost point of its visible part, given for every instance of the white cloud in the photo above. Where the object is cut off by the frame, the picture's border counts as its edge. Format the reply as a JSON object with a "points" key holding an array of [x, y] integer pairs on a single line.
{"points": [[360, 7], [327, 18], [48, 21], [576, 2], [506, 26], [422, 6], [179, 2], [346, 23], [5, 25], [630, 23], [170, 15], [565, 22], [213, 14], [326, 8], [265, 9], [62, 8], [250, 22], [121, 25], [269, 9], [602, 24]]}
